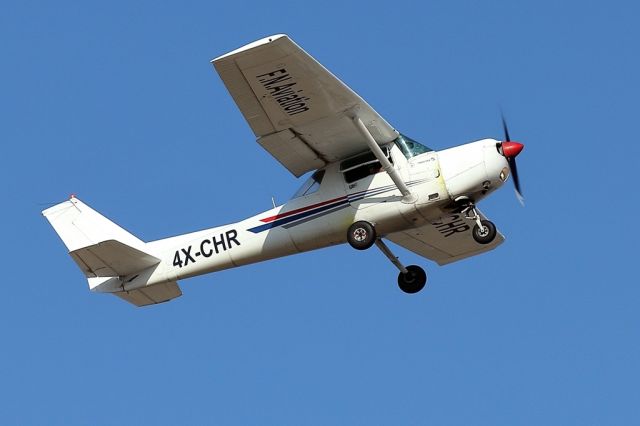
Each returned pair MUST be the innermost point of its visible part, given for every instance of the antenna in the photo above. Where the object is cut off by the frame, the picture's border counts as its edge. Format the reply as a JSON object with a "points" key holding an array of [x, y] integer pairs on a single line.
{"points": [[273, 201]]}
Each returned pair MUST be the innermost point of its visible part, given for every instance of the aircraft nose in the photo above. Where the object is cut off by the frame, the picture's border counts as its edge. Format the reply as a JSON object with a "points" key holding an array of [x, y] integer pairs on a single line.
{"points": [[511, 149]]}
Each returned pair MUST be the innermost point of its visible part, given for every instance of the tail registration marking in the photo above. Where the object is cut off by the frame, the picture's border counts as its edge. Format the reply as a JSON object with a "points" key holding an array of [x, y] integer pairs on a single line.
{"points": [[223, 242]]}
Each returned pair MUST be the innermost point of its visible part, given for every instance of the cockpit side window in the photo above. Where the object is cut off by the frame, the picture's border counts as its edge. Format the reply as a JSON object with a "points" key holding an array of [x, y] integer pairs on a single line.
{"points": [[409, 147], [311, 185], [363, 165]]}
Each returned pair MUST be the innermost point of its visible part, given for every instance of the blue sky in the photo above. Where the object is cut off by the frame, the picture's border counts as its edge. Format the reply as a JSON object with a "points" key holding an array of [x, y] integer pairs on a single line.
{"points": [[117, 102]]}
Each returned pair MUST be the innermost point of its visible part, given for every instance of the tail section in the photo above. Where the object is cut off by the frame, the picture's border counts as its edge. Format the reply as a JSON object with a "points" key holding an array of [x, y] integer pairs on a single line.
{"points": [[109, 256]]}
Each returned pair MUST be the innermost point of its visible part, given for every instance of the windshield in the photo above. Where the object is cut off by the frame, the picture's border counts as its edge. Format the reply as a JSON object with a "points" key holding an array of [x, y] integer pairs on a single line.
{"points": [[311, 185], [409, 147]]}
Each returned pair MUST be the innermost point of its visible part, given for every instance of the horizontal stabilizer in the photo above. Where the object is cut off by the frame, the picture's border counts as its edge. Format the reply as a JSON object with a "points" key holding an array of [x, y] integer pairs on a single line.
{"points": [[152, 294], [111, 258]]}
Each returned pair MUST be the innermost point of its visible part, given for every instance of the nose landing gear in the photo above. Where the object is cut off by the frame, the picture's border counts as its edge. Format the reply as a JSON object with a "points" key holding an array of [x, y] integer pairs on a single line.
{"points": [[484, 230], [485, 233]]}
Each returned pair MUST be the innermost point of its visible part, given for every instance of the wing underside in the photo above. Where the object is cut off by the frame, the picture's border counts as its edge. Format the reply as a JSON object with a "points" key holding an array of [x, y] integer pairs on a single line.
{"points": [[444, 241], [299, 111]]}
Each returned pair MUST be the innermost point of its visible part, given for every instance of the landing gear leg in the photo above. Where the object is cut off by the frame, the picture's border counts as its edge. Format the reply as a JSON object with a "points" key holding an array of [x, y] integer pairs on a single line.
{"points": [[484, 231], [412, 278]]}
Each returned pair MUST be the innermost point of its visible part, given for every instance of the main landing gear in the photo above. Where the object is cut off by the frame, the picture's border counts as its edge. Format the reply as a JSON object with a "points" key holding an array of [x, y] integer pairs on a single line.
{"points": [[362, 235], [484, 231]]}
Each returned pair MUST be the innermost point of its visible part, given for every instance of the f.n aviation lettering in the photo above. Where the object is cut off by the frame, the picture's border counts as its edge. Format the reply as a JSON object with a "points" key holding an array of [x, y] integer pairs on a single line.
{"points": [[207, 248], [281, 87]]}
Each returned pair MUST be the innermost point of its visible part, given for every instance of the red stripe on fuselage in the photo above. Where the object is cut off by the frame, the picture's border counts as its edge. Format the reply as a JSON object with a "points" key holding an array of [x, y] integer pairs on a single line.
{"points": [[301, 209]]}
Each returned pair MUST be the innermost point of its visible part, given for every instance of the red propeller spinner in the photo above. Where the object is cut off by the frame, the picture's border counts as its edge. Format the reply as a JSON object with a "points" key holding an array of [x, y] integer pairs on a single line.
{"points": [[511, 149]]}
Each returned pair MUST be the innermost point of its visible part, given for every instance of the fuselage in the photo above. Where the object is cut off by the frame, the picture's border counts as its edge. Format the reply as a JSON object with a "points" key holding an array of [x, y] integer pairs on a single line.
{"points": [[335, 197]]}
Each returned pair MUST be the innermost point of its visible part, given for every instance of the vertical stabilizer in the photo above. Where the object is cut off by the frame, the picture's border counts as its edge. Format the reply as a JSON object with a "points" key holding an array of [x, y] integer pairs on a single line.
{"points": [[109, 256], [78, 225]]}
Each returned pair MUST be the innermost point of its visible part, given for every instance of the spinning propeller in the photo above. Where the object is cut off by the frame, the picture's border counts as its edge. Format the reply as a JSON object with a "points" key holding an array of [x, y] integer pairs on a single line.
{"points": [[510, 151]]}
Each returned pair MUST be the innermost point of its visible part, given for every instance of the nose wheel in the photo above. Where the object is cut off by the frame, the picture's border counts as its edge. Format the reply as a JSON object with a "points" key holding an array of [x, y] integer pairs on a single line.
{"points": [[484, 231]]}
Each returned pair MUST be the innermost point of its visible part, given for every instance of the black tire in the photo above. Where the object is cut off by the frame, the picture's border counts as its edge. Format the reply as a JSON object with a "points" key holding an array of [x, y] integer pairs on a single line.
{"points": [[486, 234], [413, 281], [361, 235]]}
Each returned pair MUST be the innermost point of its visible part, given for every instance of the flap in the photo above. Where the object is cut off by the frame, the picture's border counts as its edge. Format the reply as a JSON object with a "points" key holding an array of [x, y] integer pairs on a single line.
{"points": [[291, 151]]}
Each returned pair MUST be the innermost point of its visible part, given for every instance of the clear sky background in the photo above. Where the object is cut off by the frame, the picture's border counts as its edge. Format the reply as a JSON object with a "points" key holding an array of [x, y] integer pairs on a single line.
{"points": [[117, 102]]}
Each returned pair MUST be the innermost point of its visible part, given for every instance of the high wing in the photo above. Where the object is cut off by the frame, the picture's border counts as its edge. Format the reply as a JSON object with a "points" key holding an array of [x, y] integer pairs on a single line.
{"points": [[299, 111], [444, 241]]}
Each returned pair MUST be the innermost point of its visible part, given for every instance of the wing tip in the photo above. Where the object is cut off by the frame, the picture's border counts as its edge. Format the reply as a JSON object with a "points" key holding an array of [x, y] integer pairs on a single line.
{"points": [[252, 45]]}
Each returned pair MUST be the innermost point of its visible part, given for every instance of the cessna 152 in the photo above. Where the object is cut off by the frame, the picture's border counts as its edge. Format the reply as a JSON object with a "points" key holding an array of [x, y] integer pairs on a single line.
{"points": [[369, 183]]}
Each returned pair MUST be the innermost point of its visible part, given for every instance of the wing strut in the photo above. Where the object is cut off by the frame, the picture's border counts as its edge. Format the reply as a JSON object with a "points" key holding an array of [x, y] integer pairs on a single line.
{"points": [[408, 197]]}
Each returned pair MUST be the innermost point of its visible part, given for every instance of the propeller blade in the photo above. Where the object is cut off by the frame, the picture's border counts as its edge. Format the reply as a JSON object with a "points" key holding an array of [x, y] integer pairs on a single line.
{"points": [[506, 129], [516, 179], [511, 150]]}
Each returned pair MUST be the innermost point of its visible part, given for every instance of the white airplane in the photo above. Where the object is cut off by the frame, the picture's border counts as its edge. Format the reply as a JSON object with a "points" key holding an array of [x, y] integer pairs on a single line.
{"points": [[369, 184]]}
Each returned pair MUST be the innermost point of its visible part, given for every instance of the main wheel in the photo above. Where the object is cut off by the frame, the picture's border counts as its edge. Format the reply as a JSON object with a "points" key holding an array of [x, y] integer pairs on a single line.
{"points": [[413, 281], [486, 234], [361, 235]]}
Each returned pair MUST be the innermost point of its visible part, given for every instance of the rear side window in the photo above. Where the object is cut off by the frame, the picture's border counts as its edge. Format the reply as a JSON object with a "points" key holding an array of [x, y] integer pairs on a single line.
{"points": [[311, 185]]}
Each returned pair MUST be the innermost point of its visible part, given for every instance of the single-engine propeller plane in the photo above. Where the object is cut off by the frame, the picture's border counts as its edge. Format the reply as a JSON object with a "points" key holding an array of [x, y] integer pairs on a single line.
{"points": [[369, 183]]}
